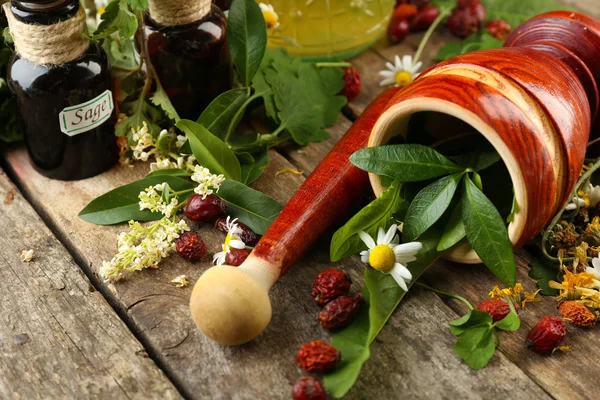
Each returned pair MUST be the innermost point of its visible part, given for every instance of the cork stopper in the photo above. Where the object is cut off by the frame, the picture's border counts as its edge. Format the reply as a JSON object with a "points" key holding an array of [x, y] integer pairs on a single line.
{"points": [[49, 44], [178, 12]]}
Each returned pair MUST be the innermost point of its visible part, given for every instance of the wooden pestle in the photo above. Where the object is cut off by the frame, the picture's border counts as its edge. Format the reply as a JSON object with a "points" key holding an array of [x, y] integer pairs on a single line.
{"points": [[231, 305]]}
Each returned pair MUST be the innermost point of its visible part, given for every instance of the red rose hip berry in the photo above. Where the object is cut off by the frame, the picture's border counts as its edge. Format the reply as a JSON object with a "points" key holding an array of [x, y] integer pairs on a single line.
{"points": [[190, 246], [207, 209], [499, 29], [352, 83], [317, 357], [498, 309], [330, 284], [340, 312], [247, 235], [546, 335], [397, 30], [308, 388], [424, 18], [236, 257], [467, 18]]}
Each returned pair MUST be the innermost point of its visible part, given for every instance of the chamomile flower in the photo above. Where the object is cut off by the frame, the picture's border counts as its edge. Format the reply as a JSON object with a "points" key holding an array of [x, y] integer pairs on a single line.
{"points": [[271, 17], [232, 240], [596, 269], [388, 256], [402, 73], [575, 203], [593, 195], [207, 183]]}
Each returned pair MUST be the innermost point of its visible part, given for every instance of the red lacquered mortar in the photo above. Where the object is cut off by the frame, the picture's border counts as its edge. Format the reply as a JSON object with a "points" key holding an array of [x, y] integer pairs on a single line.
{"points": [[534, 101]]}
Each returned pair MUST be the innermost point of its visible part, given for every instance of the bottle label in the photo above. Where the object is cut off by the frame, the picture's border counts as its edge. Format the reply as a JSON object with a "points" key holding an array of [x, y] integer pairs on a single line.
{"points": [[87, 116]]}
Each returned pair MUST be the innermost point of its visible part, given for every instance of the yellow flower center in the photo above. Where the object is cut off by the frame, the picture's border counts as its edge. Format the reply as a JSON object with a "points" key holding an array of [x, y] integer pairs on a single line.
{"points": [[270, 18], [101, 10], [228, 239], [382, 258], [403, 78]]}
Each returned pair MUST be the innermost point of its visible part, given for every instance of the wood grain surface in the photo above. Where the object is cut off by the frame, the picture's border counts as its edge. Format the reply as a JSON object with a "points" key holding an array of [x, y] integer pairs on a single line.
{"points": [[412, 357]]}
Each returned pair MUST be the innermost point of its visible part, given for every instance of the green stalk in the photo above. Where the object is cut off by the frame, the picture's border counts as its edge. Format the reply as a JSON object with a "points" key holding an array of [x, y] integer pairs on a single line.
{"points": [[444, 12], [454, 296]]}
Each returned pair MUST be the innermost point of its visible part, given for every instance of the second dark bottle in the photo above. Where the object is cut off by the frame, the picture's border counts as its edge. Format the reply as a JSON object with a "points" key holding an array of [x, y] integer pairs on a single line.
{"points": [[187, 45]]}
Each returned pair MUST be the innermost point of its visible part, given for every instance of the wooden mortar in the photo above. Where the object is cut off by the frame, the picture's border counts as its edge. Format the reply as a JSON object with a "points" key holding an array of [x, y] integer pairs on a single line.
{"points": [[533, 100]]}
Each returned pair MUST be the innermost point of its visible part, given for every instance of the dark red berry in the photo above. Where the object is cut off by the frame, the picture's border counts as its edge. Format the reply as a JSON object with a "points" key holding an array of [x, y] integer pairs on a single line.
{"points": [[318, 357], [405, 11], [424, 18], [466, 18], [547, 334], [308, 388], [420, 3], [497, 308], [340, 312], [190, 246], [397, 30], [208, 209], [499, 29], [330, 284], [236, 257], [247, 235], [352, 83], [398, 2]]}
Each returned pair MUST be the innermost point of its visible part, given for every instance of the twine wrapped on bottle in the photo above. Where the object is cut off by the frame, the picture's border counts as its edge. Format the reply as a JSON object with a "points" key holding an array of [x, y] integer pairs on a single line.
{"points": [[49, 44], [178, 12]]}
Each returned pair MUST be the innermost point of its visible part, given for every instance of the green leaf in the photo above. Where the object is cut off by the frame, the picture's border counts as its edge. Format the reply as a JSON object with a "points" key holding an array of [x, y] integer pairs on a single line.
{"points": [[247, 38], [479, 41], [467, 321], [117, 17], [210, 151], [476, 346], [122, 204], [252, 171], [477, 160], [121, 53], [253, 208], [382, 295], [404, 162], [543, 271], [487, 233], [454, 231], [160, 99], [429, 205], [513, 209], [169, 172], [514, 12], [511, 322], [223, 113], [345, 242]]}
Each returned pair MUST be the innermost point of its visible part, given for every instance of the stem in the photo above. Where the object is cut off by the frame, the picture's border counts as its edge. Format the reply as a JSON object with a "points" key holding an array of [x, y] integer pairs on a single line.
{"points": [[593, 142], [454, 296], [340, 64], [444, 12], [236, 117]]}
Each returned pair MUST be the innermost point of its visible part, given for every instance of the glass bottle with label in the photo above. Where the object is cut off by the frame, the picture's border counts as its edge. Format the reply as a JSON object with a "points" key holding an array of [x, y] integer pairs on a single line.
{"points": [[63, 85], [186, 43]]}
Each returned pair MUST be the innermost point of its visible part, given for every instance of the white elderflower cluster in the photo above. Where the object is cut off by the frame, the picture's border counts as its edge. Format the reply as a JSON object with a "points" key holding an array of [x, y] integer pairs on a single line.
{"points": [[207, 183], [152, 200], [144, 143], [143, 247]]}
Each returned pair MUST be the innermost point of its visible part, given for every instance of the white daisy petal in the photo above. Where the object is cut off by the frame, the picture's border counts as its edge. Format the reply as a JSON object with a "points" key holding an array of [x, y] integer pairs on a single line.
{"points": [[403, 272], [390, 66], [407, 63], [399, 280], [416, 67], [381, 236], [237, 244], [367, 239], [398, 63], [364, 256], [406, 252], [594, 271], [596, 263], [387, 74], [387, 82], [219, 258], [389, 236]]}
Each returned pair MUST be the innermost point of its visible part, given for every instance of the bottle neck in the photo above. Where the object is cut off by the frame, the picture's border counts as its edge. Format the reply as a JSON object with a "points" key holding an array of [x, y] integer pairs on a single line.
{"points": [[182, 12], [44, 12]]}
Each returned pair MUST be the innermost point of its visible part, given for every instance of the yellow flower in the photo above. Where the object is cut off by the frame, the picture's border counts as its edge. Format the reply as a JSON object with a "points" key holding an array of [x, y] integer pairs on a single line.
{"points": [[530, 298], [512, 294], [572, 284], [271, 17]]}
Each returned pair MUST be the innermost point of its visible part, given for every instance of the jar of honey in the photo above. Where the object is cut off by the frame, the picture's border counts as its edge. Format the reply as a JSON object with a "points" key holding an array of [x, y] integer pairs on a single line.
{"points": [[329, 29]]}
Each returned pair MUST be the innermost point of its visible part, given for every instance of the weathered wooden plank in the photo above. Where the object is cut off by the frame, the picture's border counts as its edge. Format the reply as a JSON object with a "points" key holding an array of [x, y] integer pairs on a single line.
{"points": [[58, 337], [264, 367]]}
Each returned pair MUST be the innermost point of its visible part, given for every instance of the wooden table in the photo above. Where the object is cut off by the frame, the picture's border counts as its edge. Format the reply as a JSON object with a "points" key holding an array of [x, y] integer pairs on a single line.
{"points": [[66, 334]]}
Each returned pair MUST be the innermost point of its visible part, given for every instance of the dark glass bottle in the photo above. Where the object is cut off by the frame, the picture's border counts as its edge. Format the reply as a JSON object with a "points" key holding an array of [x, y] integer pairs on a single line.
{"points": [[66, 110], [222, 4], [192, 61]]}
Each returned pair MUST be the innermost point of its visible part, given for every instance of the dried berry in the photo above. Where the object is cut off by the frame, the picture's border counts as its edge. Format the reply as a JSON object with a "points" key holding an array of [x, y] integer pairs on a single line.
{"points": [[340, 312], [499, 29], [467, 18], [405, 11], [190, 246], [497, 308], [236, 257], [565, 239], [308, 388], [317, 357], [247, 235], [420, 3], [582, 218], [424, 18], [330, 284], [352, 83], [577, 314], [207, 209], [398, 29], [398, 2], [547, 334]]}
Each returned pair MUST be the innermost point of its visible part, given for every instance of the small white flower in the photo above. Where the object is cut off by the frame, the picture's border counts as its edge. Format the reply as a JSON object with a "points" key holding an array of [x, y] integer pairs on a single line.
{"points": [[151, 199], [402, 73], [27, 255], [162, 163], [181, 139], [596, 270], [271, 17], [593, 193], [207, 183], [575, 203], [181, 281], [232, 240], [388, 256]]}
